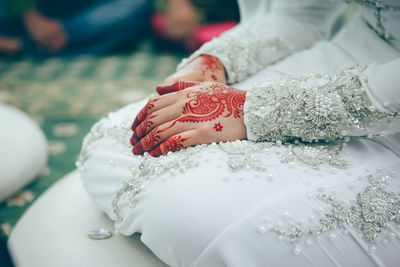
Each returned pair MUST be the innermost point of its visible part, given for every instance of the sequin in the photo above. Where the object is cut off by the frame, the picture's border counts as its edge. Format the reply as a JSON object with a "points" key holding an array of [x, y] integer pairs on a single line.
{"points": [[328, 105], [99, 234]]}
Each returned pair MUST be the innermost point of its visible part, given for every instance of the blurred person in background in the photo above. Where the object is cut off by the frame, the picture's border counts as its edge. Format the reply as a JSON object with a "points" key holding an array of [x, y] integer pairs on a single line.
{"points": [[43, 28], [191, 23]]}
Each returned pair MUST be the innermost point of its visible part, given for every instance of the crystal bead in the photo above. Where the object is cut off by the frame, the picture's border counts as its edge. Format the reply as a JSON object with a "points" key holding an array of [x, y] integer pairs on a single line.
{"points": [[372, 249], [262, 230]]}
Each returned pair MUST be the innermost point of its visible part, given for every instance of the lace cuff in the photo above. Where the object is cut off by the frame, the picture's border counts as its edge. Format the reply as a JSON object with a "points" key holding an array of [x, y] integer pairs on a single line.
{"points": [[313, 108], [242, 51]]}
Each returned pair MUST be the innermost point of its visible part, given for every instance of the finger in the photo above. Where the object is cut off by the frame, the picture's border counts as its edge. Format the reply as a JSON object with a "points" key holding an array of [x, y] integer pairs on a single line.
{"points": [[156, 136], [53, 45], [193, 76], [59, 41], [174, 143], [151, 106], [157, 118], [176, 86], [134, 139], [143, 128], [46, 44]]}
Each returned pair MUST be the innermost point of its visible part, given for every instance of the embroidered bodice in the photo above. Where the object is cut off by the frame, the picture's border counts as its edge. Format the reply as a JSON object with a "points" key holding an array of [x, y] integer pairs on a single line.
{"points": [[271, 30]]}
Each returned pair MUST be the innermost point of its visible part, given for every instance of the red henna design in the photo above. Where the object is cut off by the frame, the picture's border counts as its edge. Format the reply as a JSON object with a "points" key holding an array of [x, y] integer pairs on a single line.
{"points": [[176, 86], [218, 127], [170, 145], [211, 64], [214, 77], [217, 101], [147, 142], [134, 139], [143, 113], [144, 127]]}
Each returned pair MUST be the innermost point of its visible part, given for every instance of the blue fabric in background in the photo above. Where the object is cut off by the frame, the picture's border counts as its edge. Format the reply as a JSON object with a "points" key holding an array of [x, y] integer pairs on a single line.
{"points": [[92, 26]]}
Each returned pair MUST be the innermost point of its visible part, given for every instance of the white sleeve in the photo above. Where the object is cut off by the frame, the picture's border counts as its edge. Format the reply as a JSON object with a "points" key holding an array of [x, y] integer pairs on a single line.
{"points": [[285, 27], [355, 102]]}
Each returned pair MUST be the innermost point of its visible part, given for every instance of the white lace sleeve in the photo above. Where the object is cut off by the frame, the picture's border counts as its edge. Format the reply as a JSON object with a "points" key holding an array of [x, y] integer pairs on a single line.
{"points": [[356, 102], [285, 26]]}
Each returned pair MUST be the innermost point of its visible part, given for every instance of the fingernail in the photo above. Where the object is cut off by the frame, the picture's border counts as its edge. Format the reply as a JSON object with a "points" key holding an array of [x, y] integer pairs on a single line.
{"points": [[133, 151], [165, 89], [135, 123], [138, 149], [131, 141], [156, 152], [134, 138]]}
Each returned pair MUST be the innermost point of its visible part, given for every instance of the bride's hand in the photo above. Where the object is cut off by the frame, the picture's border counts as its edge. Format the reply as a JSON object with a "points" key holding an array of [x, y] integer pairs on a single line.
{"points": [[200, 114], [204, 68]]}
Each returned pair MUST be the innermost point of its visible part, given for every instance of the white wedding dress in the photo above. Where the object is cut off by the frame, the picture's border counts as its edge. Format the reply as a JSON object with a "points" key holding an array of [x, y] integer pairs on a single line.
{"points": [[284, 201]]}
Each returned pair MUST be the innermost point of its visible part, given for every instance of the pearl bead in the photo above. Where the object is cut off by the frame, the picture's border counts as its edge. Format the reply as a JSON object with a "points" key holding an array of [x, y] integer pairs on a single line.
{"points": [[262, 230], [372, 249]]}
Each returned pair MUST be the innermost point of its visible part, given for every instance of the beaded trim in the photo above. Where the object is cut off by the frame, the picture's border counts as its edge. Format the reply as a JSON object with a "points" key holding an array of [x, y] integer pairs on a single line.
{"points": [[240, 155], [310, 108], [371, 213]]}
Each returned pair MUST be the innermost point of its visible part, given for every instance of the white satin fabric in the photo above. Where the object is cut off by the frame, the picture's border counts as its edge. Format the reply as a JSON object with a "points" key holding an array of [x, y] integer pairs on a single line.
{"points": [[210, 215]]}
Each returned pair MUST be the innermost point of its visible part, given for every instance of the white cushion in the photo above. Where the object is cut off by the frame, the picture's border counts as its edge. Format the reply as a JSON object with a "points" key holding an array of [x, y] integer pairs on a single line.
{"points": [[53, 232], [23, 150]]}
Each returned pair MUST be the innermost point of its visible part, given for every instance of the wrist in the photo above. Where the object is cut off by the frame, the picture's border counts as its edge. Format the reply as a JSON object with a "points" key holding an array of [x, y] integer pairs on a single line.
{"points": [[212, 67]]}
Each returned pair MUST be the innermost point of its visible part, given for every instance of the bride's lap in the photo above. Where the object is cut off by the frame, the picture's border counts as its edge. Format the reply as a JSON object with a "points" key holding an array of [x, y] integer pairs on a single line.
{"points": [[210, 214], [180, 216]]}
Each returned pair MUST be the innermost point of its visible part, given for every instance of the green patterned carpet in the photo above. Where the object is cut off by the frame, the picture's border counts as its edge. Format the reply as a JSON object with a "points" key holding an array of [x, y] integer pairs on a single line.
{"points": [[66, 98]]}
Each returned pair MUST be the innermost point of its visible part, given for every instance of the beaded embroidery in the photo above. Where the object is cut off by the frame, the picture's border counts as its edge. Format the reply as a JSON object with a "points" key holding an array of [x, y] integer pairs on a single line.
{"points": [[114, 126], [372, 212], [310, 108], [240, 154], [314, 155], [240, 57]]}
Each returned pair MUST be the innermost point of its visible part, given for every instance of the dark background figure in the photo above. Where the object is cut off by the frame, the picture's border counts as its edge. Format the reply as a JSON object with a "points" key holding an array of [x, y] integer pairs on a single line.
{"points": [[43, 28], [191, 23]]}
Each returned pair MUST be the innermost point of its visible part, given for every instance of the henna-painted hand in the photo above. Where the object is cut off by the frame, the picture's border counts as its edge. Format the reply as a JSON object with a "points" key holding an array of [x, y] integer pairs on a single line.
{"points": [[204, 68], [202, 113]]}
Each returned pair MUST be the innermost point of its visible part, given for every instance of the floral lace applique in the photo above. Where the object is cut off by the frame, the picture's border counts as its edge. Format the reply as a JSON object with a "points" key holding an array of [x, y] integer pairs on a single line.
{"points": [[311, 108], [372, 212]]}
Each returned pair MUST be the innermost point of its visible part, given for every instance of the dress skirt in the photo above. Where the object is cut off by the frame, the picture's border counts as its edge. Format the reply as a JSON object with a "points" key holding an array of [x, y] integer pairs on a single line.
{"points": [[258, 204]]}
